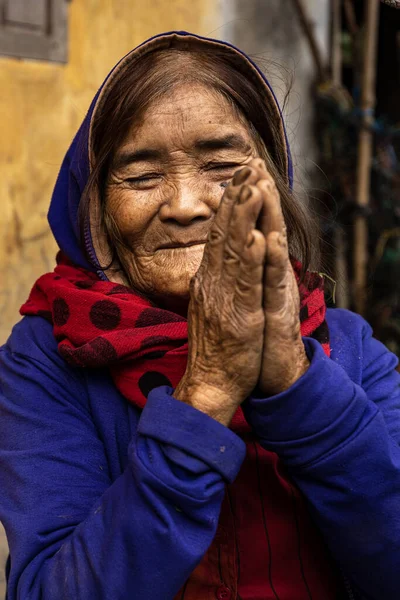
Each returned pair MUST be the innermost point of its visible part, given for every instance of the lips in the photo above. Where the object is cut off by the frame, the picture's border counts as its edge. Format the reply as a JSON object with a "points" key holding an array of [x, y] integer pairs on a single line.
{"points": [[172, 245]]}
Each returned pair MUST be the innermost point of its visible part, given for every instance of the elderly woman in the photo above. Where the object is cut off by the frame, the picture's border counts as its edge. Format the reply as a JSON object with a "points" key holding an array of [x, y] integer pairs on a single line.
{"points": [[180, 417]]}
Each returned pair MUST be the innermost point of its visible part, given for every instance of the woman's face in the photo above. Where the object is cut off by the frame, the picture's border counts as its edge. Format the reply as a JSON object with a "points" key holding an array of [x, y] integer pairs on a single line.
{"points": [[166, 184]]}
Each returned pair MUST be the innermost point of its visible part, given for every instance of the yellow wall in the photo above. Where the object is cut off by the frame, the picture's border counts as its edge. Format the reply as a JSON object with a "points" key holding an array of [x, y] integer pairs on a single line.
{"points": [[41, 107]]}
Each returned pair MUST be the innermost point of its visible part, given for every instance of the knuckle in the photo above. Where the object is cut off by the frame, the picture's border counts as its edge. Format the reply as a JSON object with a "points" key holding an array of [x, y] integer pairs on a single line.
{"points": [[272, 184], [259, 163], [296, 329], [282, 243], [245, 286], [255, 206], [216, 235], [230, 193], [195, 287], [231, 256], [269, 185]]}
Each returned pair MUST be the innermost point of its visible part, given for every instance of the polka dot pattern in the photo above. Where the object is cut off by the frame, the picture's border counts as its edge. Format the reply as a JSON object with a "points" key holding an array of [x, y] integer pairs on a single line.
{"points": [[60, 312], [105, 315], [321, 333], [120, 289], [97, 353], [85, 284], [304, 313], [155, 340], [108, 325], [152, 342], [156, 354], [153, 316], [151, 380]]}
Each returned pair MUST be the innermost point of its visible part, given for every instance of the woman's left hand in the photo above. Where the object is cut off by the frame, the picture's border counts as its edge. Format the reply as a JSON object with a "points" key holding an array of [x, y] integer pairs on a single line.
{"points": [[284, 358]]}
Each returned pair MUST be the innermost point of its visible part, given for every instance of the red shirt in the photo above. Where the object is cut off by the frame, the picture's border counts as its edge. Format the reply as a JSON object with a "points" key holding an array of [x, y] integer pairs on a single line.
{"points": [[266, 546]]}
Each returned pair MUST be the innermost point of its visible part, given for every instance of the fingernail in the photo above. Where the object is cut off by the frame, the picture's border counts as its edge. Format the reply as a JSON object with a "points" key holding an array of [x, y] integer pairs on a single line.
{"points": [[241, 176], [245, 194]]}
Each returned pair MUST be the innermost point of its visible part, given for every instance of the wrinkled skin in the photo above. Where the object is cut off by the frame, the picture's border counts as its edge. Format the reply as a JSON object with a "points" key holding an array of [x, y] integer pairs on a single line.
{"points": [[173, 198], [243, 315]]}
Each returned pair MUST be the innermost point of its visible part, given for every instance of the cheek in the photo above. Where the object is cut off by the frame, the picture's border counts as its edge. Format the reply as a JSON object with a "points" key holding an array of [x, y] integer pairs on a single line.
{"points": [[211, 192], [132, 212]]}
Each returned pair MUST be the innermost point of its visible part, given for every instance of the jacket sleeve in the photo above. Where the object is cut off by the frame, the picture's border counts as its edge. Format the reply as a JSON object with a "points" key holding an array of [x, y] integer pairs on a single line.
{"points": [[74, 533], [340, 442]]}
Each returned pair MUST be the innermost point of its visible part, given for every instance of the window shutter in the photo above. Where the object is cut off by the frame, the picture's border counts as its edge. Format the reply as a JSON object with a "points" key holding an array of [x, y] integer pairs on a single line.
{"points": [[29, 15], [34, 29]]}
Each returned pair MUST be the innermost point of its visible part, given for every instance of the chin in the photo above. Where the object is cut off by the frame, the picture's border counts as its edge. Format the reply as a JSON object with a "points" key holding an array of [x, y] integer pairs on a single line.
{"points": [[174, 295], [166, 278], [173, 292], [172, 277], [176, 286]]}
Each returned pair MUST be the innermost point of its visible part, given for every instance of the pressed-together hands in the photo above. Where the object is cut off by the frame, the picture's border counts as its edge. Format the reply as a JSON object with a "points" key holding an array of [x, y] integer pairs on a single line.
{"points": [[244, 325]]}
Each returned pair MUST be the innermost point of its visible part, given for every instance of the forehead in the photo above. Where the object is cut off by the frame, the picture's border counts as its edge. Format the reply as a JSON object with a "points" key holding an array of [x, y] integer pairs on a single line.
{"points": [[188, 111]]}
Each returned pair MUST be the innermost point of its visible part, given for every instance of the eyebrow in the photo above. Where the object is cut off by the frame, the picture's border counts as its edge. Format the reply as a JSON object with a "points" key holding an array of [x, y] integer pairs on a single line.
{"points": [[131, 156], [233, 140]]}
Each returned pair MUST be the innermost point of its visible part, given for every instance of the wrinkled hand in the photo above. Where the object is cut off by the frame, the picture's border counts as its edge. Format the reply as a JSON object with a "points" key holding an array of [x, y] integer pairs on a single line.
{"points": [[284, 358], [226, 316]]}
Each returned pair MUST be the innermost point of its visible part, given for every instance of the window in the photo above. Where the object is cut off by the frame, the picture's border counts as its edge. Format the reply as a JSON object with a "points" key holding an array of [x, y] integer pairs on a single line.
{"points": [[34, 29]]}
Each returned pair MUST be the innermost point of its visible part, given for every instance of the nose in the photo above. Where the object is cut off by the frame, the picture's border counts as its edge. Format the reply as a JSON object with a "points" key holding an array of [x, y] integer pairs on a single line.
{"points": [[186, 203]]}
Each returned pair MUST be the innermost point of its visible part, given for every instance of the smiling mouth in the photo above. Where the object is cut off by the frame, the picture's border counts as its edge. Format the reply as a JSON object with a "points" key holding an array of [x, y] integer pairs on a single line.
{"points": [[173, 246]]}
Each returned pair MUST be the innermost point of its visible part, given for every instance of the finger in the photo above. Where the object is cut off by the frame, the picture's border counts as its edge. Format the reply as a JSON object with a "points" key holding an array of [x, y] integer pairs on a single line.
{"points": [[277, 265], [249, 284], [214, 250], [271, 218], [259, 165], [243, 221], [213, 254], [276, 273], [254, 173]]}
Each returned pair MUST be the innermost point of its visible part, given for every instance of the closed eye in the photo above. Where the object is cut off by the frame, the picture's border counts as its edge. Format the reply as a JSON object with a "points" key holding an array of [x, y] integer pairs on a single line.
{"points": [[146, 177], [147, 181], [223, 166]]}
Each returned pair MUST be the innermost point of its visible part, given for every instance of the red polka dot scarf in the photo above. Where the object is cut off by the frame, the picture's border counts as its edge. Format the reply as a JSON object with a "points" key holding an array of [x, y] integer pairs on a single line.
{"points": [[101, 324]]}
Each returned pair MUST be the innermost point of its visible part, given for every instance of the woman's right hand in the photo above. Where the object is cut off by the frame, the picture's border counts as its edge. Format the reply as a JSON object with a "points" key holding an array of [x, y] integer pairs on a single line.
{"points": [[226, 317]]}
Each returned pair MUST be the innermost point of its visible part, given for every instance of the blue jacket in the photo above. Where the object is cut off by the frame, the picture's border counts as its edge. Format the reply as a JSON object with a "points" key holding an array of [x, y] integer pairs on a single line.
{"points": [[102, 501]]}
